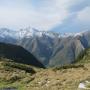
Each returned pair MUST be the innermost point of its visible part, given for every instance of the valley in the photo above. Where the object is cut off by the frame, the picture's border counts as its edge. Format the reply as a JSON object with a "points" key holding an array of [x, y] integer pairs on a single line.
{"points": [[38, 60]]}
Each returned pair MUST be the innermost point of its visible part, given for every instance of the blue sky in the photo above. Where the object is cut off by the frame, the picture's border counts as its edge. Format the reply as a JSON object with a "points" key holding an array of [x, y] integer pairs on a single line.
{"points": [[55, 15]]}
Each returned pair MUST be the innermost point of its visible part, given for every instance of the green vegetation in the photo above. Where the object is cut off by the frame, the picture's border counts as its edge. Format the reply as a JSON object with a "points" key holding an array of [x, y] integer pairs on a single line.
{"points": [[81, 55], [26, 68], [27, 77], [15, 74], [84, 57], [69, 66]]}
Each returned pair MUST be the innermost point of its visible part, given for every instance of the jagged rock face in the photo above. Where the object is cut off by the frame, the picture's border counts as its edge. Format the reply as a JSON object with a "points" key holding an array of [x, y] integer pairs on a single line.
{"points": [[67, 51], [50, 48], [42, 48]]}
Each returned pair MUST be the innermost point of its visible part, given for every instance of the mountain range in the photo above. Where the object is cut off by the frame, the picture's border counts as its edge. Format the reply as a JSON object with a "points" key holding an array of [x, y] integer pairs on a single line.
{"points": [[50, 48]]}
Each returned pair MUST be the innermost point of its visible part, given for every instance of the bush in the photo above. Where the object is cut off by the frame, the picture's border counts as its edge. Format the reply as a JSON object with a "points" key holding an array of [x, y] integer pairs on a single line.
{"points": [[20, 66], [68, 66]]}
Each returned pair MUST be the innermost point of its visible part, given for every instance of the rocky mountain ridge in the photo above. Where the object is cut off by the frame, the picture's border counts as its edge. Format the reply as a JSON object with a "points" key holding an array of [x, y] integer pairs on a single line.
{"points": [[50, 48]]}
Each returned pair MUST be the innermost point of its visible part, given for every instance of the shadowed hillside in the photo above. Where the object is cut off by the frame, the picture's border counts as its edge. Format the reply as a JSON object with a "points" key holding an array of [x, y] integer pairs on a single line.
{"points": [[18, 54]]}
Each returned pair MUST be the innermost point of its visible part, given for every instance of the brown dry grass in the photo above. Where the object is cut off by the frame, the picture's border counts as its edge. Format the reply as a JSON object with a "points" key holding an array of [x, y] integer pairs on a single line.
{"points": [[65, 79], [44, 79]]}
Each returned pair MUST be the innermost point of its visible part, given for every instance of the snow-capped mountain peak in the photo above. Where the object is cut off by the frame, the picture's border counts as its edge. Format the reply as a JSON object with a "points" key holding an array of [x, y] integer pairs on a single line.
{"points": [[31, 32]]}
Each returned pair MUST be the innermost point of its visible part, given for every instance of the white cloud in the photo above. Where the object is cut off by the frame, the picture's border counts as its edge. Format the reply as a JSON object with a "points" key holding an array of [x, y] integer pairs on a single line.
{"points": [[39, 20], [46, 15]]}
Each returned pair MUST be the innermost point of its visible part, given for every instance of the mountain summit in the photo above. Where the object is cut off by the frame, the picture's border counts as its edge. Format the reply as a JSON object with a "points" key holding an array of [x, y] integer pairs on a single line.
{"points": [[31, 32]]}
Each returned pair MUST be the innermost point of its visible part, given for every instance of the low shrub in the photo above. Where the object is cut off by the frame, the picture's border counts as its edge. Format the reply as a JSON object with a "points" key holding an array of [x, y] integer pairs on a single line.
{"points": [[20, 66], [69, 66]]}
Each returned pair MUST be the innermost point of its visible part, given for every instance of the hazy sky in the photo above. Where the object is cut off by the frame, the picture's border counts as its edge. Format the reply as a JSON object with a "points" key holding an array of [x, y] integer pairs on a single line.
{"points": [[56, 15]]}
